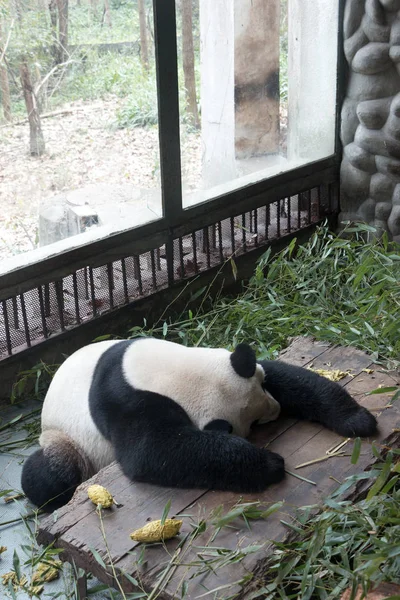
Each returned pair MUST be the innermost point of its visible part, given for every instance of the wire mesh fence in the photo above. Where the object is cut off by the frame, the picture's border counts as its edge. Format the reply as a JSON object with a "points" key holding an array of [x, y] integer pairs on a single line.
{"points": [[36, 314]]}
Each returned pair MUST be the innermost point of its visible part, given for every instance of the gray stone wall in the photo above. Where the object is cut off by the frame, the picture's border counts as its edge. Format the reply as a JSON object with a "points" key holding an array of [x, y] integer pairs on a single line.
{"points": [[370, 128]]}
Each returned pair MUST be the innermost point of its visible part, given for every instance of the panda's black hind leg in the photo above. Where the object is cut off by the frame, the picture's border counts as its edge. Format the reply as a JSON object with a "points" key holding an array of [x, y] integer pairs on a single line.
{"points": [[303, 394], [51, 475], [360, 423]]}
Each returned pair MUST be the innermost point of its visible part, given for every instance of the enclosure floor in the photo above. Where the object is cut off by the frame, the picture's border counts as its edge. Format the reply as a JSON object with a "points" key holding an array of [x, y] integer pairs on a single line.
{"points": [[77, 528], [15, 535]]}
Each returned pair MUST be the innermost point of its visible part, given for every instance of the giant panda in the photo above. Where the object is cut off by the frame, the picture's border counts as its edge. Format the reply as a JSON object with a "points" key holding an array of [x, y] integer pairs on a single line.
{"points": [[165, 412]]}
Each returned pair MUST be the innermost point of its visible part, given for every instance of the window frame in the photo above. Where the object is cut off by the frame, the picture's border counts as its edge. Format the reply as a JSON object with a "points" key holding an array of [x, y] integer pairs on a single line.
{"points": [[177, 221]]}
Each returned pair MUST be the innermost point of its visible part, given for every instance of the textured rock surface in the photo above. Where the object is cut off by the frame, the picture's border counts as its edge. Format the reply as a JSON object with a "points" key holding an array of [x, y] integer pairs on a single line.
{"points": [[370, 128]]}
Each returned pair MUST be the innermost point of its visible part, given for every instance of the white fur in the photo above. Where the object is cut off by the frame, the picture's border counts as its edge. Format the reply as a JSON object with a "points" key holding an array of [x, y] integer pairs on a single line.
{"points": [[66, 406], [201, 380]]}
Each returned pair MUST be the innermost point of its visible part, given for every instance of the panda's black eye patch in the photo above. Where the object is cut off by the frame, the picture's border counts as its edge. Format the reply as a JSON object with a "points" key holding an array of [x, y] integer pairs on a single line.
{"points": [[219, 425]]}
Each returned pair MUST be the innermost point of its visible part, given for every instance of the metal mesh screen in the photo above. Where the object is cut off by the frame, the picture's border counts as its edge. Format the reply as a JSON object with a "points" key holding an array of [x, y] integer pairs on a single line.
{"points": [[36, 314]]}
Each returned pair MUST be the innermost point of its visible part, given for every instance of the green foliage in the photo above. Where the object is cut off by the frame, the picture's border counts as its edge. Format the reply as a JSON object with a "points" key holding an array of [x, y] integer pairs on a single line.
{"points": [[86, 27], [92, 75], [33, 383], [345, 545], [30, 36], [140, 109], [344, 291]]}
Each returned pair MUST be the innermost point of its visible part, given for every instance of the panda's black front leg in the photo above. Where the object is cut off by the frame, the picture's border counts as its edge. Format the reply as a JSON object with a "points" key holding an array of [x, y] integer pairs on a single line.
{"points": [[304, 394], [157, 443]]}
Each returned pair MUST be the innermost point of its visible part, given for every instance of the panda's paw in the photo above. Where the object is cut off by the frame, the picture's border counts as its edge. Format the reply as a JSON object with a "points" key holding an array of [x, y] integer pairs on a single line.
{"points": [[360, 424], [274, 467]]}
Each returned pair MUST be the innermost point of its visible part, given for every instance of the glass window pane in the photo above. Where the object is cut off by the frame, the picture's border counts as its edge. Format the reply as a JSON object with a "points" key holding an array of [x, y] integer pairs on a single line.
{"points": [[257, 89], [87, 160]]}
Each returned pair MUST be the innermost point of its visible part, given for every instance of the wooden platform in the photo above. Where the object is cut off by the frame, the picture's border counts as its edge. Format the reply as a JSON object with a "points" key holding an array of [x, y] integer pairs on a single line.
{"points": [[165, 569]]}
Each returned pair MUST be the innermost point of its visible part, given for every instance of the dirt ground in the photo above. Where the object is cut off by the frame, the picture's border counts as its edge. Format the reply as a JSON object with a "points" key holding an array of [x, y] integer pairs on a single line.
{"points": [[82, 147]]}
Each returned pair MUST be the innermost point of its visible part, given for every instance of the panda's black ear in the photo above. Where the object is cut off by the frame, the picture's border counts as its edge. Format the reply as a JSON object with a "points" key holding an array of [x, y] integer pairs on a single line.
{"points": [[243, 360]]}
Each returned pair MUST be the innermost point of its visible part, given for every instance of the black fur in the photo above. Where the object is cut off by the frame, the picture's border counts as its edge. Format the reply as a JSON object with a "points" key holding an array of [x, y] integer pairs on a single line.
{"points": [[49, 477], [219, 425], [156, 442], [306, 395], [243, 360]]}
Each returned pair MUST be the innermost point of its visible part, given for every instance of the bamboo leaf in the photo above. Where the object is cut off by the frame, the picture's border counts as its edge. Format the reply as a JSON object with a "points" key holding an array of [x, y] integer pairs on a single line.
{"points": [[234, 269], [165, 512], [17, 565], [383, 390], [97, 557], [356, 451], [380, 482]]}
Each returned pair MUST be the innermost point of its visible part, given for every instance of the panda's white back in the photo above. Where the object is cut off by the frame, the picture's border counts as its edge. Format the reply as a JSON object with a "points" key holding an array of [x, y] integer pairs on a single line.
{"points": [[66, 406]]}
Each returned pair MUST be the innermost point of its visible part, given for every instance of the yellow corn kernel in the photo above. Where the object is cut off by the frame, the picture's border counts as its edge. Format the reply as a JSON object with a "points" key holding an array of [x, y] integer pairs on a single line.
{"points": [[155, 532], [13, 577], [100, 495], [47, 571], [35, 590], [332, 375]]}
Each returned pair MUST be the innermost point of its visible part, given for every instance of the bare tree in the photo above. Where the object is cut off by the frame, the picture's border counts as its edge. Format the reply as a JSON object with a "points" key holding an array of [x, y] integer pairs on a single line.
{"points": [[5, 93], [144, 49], [62, 7], [4, 83], [188, 61], [59, 26], [53, 21], [106, 14], [37, 145]]}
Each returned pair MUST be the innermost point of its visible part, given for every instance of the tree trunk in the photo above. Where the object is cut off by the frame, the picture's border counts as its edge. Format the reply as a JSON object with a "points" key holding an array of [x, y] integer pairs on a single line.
{"points": [[19, 10], [5, 93], [4, 84], [107, 14], [62, 6], [53, 15], [37, 145], [144, 50], [54, 31], [188, 62]]}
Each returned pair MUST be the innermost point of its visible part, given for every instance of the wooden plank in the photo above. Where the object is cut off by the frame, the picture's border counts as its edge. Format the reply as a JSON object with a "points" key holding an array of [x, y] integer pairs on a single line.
{"points": [[295, 494], [79, 508], [79, 525], [77, 528], [303, 350], [280, 432], [306, 441], [80, 512], [56, 524]]}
